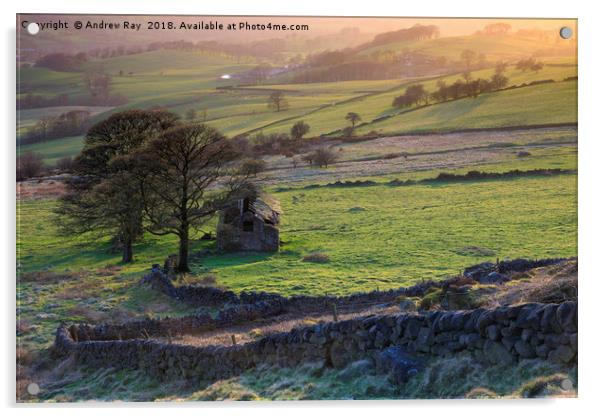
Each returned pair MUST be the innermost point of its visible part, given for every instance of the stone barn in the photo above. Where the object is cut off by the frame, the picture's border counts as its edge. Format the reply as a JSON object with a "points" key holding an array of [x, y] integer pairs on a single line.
{"points": [[250, 224]]}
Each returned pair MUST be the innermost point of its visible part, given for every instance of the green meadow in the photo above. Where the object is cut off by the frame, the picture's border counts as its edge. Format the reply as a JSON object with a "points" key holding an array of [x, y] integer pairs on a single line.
{"points": [[335, 239], [379, 236], [375, 237], [54, 150], [376, 105], [181, 81], [532, 105]]}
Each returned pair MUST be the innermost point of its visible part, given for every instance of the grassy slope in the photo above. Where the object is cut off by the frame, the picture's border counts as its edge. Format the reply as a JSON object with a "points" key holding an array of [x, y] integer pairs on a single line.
{"points": [[377, 105], [312, 381], [54, 150], [406, 234], [533, 105], [42, 81], [403, 235], [182, 80], [494, 47]]}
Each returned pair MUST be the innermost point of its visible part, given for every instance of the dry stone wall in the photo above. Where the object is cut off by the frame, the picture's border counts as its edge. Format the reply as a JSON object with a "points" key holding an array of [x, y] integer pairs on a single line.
{"points": [[502, 335], [210, 296]]}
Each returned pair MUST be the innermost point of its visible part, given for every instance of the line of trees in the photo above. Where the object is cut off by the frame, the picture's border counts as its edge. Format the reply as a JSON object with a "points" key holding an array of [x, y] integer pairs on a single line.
{"points": [[347, 64], [143, 170], [529, 64], [71, 123], [97, 82], [499, 28], [62, 61], [413, 95], [416, 32], [321, 157], [466, 87], [31, 100]]}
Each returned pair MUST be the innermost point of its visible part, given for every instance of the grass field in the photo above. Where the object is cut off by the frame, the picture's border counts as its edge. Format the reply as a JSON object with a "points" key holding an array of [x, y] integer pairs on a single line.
{"points": [[54, 150], [378, 236], [373, 237], [372, 106], [386, 237], [322, 105], [533, 105]]}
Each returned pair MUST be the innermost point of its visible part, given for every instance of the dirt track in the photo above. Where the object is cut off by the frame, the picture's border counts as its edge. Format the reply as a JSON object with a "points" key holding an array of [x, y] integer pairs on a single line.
{"points": [[251, 331]]}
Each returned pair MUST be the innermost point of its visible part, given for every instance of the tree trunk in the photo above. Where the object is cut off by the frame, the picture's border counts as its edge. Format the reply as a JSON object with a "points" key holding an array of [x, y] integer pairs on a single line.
{"points": [[183, 254], [128, 252]]}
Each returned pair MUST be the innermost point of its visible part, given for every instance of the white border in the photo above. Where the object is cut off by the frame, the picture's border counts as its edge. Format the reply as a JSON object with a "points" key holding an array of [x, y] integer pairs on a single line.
{"points": [[590, 217]]}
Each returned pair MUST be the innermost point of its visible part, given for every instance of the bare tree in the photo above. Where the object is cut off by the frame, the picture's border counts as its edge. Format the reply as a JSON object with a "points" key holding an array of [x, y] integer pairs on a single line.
{"points": [[103, 197], [324, 157], [190, 114], [99, 85], [353, 118], [468, 57], [29, 165], [187, 174], [277, 101], [299, 129], [65, 164]]}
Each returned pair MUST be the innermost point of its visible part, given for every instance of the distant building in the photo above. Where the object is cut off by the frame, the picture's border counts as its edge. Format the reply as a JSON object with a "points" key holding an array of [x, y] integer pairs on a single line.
{"points": [[250, 224]]}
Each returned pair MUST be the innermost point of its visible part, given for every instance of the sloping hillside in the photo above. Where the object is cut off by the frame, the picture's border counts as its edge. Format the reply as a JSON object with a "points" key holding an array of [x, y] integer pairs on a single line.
{"points": [[551, 103], [505, 47]]}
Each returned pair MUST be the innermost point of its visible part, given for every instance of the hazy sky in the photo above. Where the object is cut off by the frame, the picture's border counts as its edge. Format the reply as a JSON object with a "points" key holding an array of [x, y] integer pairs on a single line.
{"points": [[448, 27], [318, 26]]}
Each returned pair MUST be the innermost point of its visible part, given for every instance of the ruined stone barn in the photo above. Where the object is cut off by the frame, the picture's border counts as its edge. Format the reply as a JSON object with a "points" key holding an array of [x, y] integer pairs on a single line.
{"points": [[250, 224]]}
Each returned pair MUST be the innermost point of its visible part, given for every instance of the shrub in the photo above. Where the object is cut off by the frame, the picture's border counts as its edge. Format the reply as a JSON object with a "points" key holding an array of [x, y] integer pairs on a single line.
{"points": [[256, 333], [65, 164], [209, 280], [272, 144], [89, 314], [324, 157], [299, 130], [252, 167], [348, 131], [25, 356], [481, 393], [29, 165], [432, 298], [48, 277], [541, 386], [316, 258], [529, 64]]}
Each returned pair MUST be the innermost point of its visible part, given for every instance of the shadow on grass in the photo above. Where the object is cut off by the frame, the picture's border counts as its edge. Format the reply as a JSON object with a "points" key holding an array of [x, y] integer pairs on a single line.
{"points": [[237, 258]]}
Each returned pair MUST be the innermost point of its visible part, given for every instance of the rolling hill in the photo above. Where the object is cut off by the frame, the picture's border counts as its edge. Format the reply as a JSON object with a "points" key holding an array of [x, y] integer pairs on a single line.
{"points": [[498, 47], [182, 80]]}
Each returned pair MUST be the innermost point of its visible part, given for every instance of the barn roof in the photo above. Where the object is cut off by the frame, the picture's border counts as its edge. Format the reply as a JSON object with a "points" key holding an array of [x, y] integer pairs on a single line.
{"points": [[267, 208]]}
